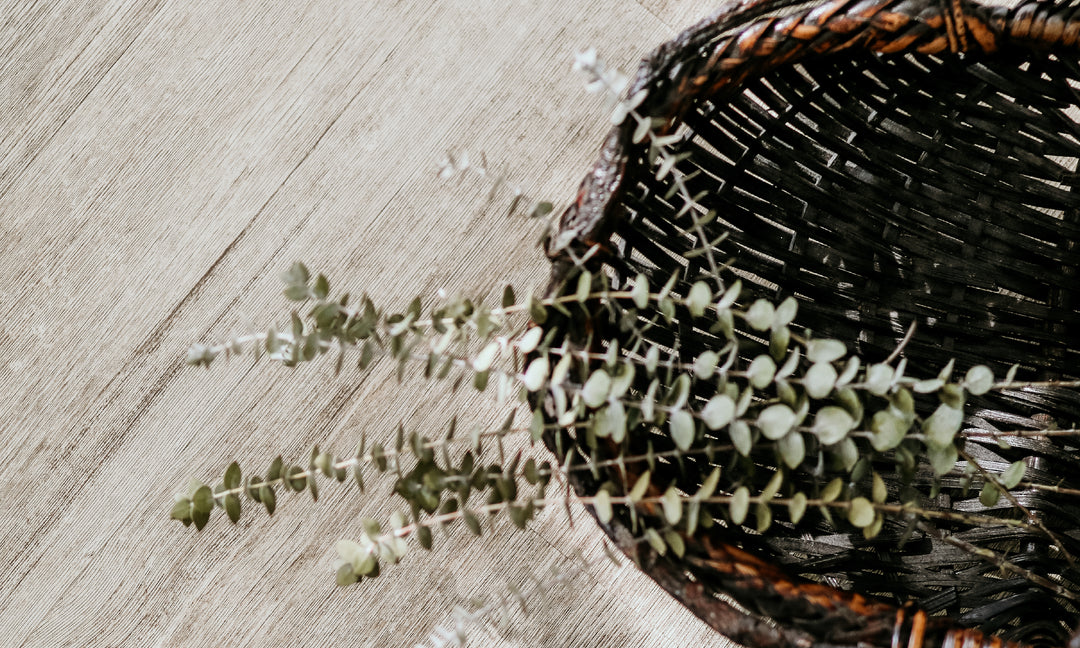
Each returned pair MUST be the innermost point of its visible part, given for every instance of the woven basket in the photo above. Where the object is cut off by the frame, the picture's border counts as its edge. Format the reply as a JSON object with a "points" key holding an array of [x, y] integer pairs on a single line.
{"points": [[886, 162]]}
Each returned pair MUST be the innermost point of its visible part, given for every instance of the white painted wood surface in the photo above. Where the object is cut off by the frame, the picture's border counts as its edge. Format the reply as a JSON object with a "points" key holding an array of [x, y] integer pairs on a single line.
{"points": [[161, 161]]}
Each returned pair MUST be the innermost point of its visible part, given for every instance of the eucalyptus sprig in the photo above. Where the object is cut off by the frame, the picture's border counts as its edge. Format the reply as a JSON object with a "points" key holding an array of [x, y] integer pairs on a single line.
{"points": [[804, 400]]}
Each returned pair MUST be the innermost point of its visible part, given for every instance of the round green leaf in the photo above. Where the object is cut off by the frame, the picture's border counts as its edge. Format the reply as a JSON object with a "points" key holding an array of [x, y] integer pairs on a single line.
{"points": [[345, 575], [596, 388], [861, 514], [832, 424], [825, 350], [614, 418], [672, 504], [739, 505], [536, 374], [682, 429], [887, 429], [232, 476], [850, 371], [942, 458], [1013, 474], [528, 342], [760, 315], [797, 507], [705, 365], [708, 487], [928, 386], [350, 551], [640, 486], [979, 380], [941, 426], [718, 412], [761, 371], [741, 437], [832, 490], [698, 298], [655, 541], [487, 355], [820, 380], [773, 487], [848, 453], [879, 492], [232, 507], [775, 421], [640, 291], [989, 494], [879, 378], [764, 517], [730, 295], [675, 541], [624, 378], [792, 449], [602, 505], [785, 313], [652, 359]]}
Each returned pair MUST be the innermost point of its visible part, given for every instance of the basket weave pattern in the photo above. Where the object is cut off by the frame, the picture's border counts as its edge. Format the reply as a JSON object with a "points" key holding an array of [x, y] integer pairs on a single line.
{"points": [[887, 163]]}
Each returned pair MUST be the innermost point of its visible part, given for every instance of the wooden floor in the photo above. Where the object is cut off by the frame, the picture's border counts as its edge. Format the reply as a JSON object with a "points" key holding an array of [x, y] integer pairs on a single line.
{"points": [[161, 161]]}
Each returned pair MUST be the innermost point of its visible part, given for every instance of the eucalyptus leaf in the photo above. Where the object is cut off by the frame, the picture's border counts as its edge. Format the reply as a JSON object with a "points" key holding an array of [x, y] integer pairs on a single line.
{"points": [[879, 493], [739, 505], [536, 374], [761, 371], [775, 421], [730, 296], [486, 356], [640, 487], [887, 431], [718, 412], [1013, 475], [832, 490], [979, 380], [682, 429], [528, 342], [879, 378], [797, 507], [941, 427], [832, 424], [792, 449], [672, 505], [989, 494], [602, 505], [697, 300], [708, 487], [705, 365], [741, 437], [655, 541], [611, 421], [861, 513], [596, 389], [851, 369], [773, 487], [760, 315], [823, 350], [232, 476], [675, 542], [942, 458], [820, 380], [785, 313], [640, 292]]}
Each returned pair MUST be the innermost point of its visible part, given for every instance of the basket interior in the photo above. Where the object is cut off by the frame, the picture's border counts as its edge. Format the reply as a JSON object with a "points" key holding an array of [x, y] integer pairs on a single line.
{"points": [[883, 190]]}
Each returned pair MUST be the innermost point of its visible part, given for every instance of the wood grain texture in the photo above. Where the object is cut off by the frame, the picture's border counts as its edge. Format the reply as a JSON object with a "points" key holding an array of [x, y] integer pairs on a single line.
{"points": [[160, 163]]}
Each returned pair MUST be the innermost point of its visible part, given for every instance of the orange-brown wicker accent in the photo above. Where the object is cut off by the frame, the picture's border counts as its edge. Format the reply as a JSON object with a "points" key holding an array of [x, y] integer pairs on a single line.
{"points": [[887, 162]]}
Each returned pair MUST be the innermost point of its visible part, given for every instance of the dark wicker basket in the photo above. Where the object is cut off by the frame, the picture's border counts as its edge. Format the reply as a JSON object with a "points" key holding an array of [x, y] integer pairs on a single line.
{"points": [[887, 162]]}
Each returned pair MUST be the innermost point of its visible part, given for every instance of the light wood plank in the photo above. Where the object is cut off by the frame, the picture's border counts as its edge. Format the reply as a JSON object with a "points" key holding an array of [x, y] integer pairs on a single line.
{"points": [[161, 163]]}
